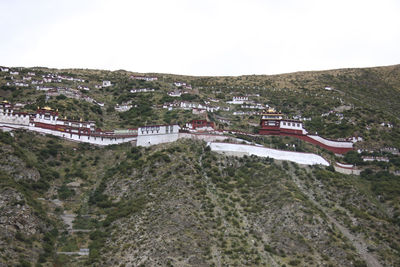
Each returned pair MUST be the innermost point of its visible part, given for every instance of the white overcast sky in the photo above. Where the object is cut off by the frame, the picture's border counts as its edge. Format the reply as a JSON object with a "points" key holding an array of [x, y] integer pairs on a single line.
{"points": [[203, 37]]}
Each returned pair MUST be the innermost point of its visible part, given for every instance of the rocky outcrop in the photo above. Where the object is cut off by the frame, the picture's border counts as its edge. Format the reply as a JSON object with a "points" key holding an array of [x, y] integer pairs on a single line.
{"points": [[16, 215], [15, 166], [19, 228]]}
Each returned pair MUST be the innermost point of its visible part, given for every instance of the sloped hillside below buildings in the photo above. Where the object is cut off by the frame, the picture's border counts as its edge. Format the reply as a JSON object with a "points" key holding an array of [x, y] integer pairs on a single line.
{"points": [[193, 207], [181, 204], [26, 232]]}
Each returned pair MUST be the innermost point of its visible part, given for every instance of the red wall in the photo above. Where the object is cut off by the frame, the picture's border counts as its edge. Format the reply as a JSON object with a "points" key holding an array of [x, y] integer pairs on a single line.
{"points": [[337, 150]]}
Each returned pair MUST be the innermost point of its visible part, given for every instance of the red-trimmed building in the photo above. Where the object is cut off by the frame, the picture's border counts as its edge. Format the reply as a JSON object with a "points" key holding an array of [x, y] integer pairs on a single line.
{"points": [[201, 125], [274, 123], [47, 118]]}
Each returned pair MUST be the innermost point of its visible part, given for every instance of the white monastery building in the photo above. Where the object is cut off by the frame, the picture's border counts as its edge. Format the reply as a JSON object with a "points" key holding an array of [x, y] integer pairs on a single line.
{"points": [[106, 84], [238, 100], [157, 134]]}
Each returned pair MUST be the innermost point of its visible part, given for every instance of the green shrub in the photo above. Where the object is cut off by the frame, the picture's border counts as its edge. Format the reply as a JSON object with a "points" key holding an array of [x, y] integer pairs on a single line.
{"points": [[61, 97], [64, 192], [294, 262], [6, 138]]}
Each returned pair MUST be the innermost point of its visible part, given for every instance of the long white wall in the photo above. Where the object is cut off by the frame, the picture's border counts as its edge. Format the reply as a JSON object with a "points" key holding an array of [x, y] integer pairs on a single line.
{"points": [[72, 137], [331, 143], [240, 150], [206, 137], [12, 126], [85, 139], [203, 137]]}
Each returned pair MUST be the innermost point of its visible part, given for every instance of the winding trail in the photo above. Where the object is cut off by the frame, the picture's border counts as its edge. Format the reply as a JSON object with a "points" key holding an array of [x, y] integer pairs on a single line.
{"points": [[358, 242]]}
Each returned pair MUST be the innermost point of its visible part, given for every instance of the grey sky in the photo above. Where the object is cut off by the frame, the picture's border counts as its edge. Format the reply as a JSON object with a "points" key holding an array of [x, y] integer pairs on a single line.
{"points": [[208, 37]]}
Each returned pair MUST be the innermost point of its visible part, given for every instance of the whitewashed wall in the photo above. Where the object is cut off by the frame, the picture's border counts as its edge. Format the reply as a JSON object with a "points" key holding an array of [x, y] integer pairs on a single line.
{"points": [[72, 137], [203, 137], [346, 171], [292, 126], [15, 119], [149, 140], [85, 139], [240, 150]]}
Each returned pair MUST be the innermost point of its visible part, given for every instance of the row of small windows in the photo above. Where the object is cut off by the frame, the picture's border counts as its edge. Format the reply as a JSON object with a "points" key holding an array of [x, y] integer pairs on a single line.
{"points": [[151, 129], [12, 115], [291, 124], [156, 129]]}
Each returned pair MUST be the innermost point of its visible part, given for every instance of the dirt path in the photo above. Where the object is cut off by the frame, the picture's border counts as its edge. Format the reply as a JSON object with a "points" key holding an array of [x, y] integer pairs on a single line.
{"points": [[358, 242]]}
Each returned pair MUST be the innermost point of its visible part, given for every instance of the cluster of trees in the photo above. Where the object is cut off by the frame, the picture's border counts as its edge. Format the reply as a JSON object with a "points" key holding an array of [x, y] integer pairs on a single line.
{"points": [[98, 197], [64, 192]]}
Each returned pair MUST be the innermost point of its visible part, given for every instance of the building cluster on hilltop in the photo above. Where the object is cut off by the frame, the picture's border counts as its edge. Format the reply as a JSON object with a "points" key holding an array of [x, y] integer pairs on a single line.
{"points": [[142, 90], [124, 107], [70, 93], [46, 119], [144, 78], [195, 107], [183, 85]]}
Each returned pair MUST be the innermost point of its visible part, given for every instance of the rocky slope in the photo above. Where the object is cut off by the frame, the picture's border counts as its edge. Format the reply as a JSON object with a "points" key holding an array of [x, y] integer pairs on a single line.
{"points": [[25, 229], [182, 205], [224, 211]]}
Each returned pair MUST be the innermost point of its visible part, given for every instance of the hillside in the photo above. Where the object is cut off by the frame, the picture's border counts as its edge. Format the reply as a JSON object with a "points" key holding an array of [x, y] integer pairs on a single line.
{"points": [[180, 204]]}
